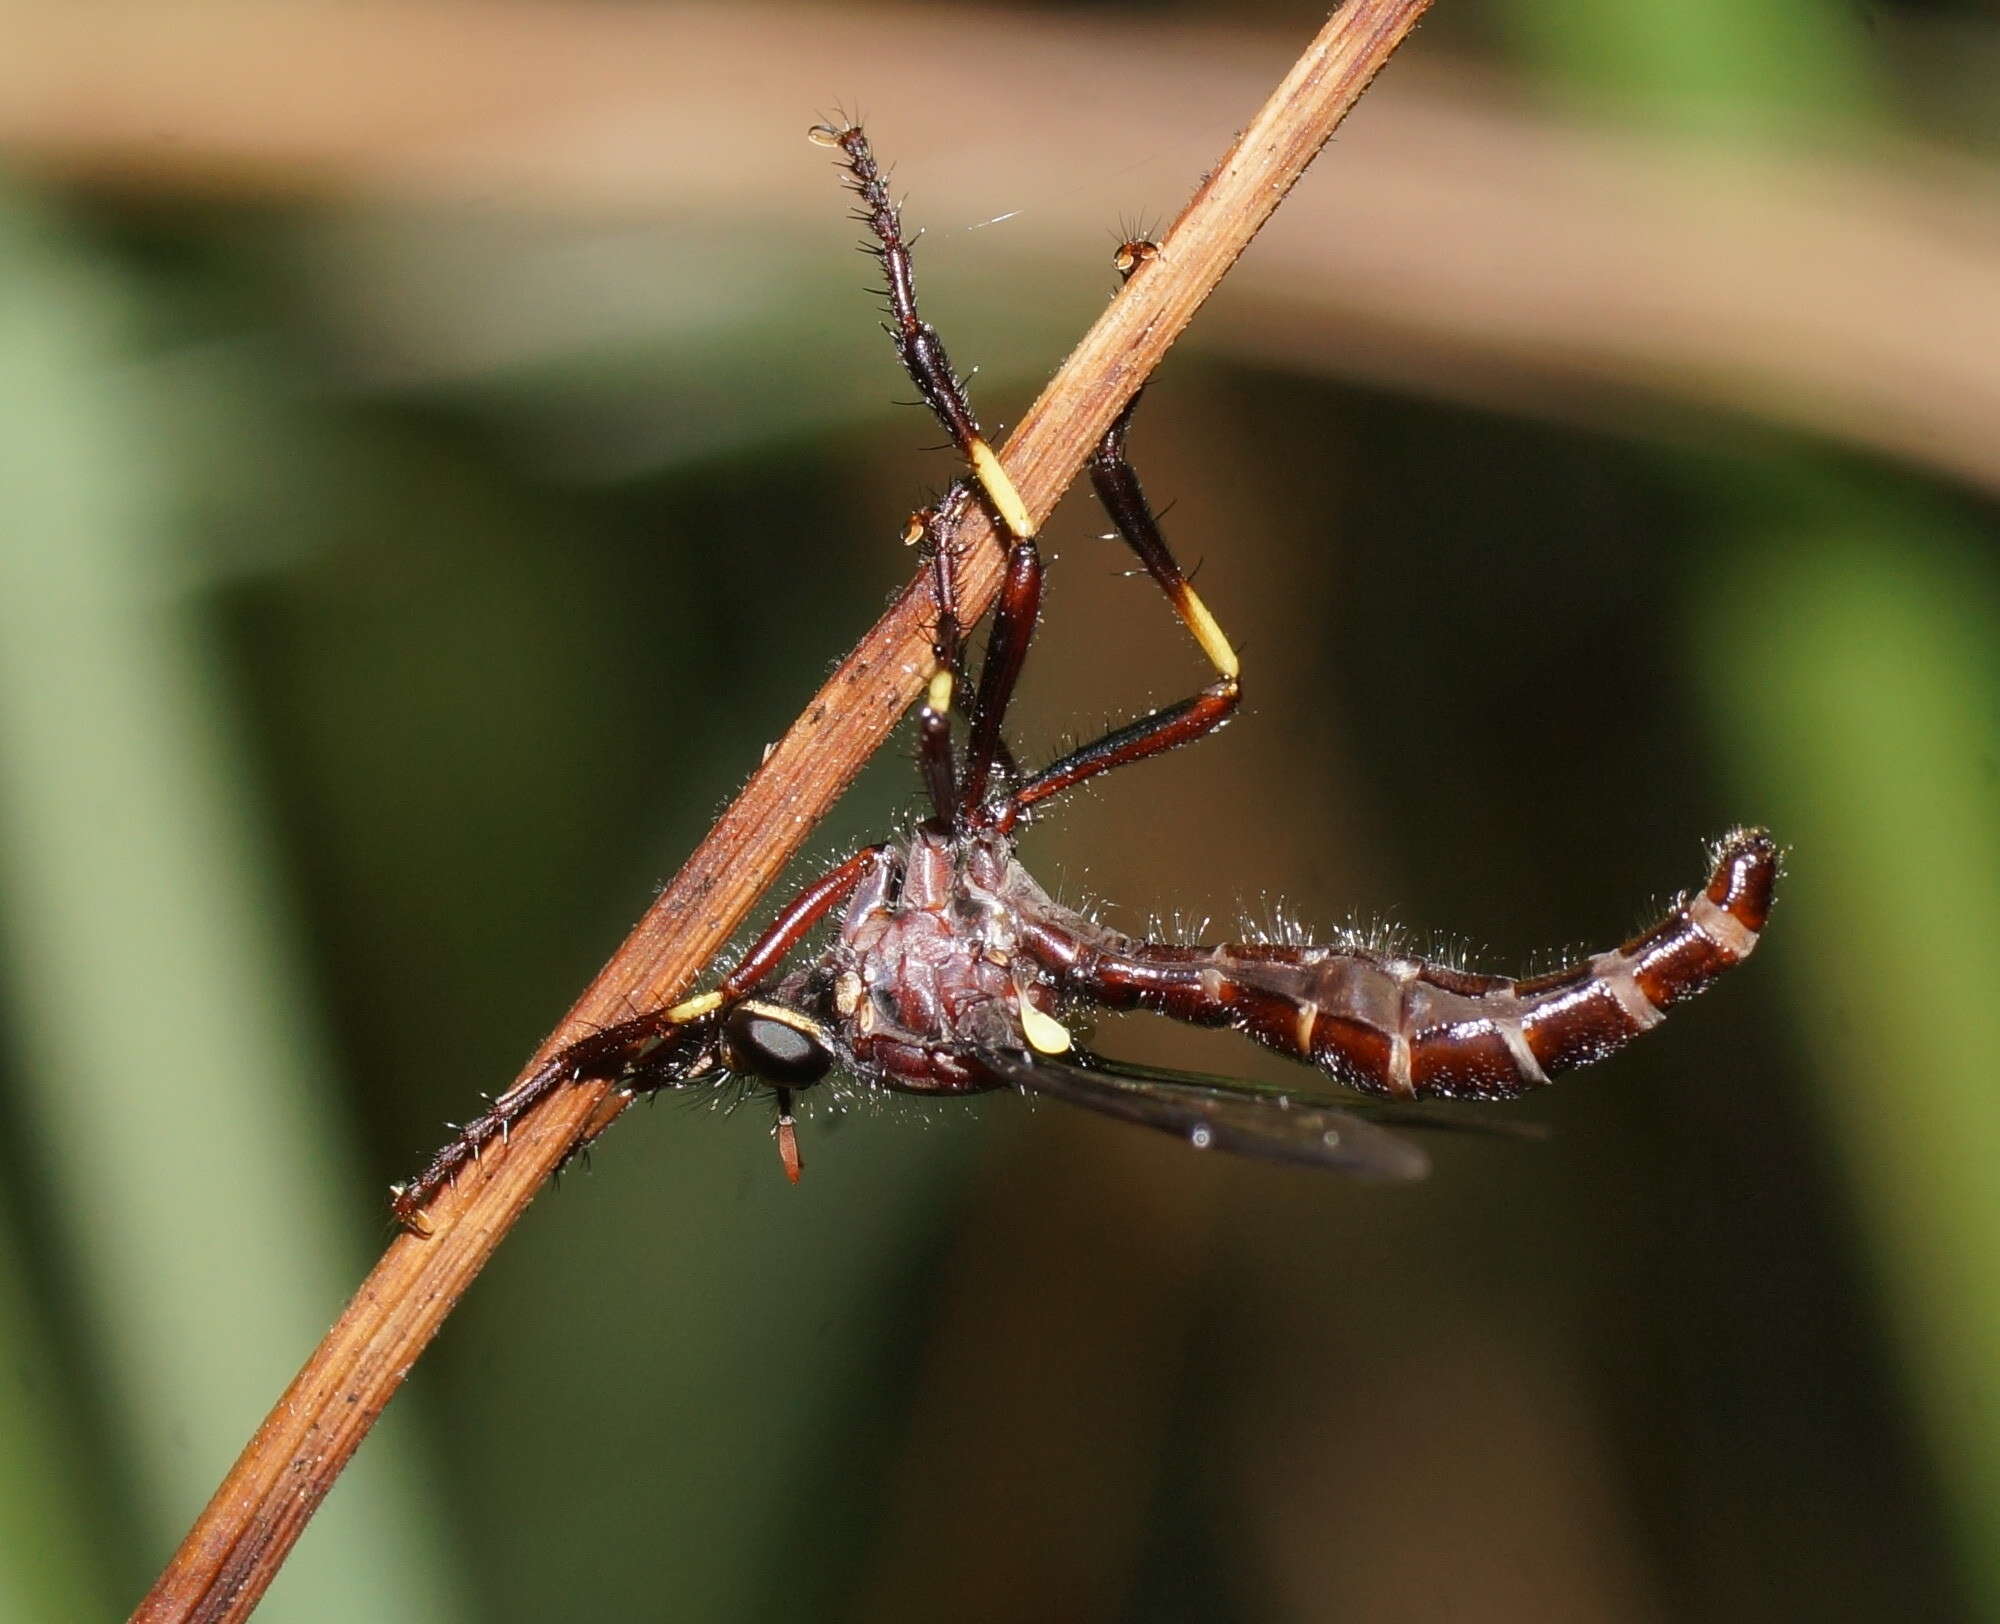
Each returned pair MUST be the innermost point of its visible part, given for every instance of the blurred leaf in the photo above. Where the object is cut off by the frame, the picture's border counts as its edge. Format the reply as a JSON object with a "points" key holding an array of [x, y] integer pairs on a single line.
{"points": [[1852, 647], [170, 1068], [1731, 68], [46, 1540]]}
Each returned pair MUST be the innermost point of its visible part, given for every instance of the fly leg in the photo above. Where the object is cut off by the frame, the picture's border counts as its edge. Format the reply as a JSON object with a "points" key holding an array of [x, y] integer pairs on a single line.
{"points": [[656, 1039], [1170, 726], [659, 1049], [923, 356], [935, 762], [1117, 485], [935, 759]]}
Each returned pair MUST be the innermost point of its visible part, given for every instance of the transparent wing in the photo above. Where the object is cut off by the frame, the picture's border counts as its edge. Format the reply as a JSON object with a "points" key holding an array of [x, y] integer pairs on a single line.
{"points": [[1244, 1120], [1456, 1116]]}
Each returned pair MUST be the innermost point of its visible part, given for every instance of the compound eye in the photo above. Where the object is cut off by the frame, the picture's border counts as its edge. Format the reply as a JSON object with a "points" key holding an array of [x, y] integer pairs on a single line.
{"points": [[774, 1050]]}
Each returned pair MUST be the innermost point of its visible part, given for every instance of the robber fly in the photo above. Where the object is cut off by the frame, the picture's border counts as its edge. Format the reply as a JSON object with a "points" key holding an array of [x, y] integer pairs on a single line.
{"points": [[950, 971]]}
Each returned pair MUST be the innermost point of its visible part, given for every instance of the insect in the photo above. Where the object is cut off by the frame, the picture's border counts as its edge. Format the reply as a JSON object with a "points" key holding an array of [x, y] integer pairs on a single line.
{"points": [[950, 971]]}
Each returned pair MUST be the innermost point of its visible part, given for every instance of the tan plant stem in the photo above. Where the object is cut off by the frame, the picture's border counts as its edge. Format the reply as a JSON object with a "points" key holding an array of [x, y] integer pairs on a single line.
{"points": [[238, 1543]]}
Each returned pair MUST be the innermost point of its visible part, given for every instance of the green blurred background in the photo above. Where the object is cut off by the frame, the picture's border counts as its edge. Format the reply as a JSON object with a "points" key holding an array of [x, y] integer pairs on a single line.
{"points": [[441, 443]]}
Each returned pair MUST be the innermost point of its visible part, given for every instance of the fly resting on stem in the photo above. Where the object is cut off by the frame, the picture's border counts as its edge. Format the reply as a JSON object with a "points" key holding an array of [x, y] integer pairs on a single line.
{"points": [[950, 971]]}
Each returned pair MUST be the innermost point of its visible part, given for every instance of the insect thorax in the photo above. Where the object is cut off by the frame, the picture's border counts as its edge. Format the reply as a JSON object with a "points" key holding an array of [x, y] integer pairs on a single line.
{"points": [[927, 970]]}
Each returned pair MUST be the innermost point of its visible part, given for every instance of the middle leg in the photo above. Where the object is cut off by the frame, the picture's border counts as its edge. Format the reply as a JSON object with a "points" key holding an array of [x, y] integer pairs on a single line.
{"points": [[923, 356], [1018, 605], [1118, 489]]}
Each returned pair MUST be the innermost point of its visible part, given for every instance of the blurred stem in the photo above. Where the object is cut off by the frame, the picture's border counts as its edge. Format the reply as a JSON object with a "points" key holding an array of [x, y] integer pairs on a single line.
{"points": [[1847, 640], [169, 1066], [1854, 674], [46, 1571]]}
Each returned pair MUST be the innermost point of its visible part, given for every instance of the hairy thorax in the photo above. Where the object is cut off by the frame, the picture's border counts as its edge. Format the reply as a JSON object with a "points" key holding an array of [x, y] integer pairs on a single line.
{"points": [[928, 969]]}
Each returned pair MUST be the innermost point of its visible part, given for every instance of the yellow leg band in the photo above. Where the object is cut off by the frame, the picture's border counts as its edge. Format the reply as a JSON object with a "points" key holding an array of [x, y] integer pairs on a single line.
{"points": [[1000, 491], [692, 1009], [1208, 634]]}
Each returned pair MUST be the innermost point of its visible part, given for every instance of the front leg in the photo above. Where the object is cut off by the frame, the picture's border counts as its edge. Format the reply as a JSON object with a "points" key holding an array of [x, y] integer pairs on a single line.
{"points": [[675, 1045]]}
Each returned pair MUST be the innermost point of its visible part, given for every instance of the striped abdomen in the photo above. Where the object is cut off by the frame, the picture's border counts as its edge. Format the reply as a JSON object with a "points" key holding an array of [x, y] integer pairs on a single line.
{"points": [[1411, 1030]]}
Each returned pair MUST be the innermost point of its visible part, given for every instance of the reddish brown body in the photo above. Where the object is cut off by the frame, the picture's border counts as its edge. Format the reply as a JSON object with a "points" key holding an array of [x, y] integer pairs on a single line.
{"points": [[947, 935], [1409, 1030], [928, 970], [951, 967]]}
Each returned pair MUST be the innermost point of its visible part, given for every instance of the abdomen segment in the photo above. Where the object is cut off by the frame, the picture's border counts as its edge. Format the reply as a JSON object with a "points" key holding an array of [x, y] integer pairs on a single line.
{"points": [[1411, 1030]]}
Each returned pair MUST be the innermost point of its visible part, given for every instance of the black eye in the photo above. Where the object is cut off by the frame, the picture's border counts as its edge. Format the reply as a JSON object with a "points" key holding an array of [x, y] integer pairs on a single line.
{"points": [[774, 1050]]}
